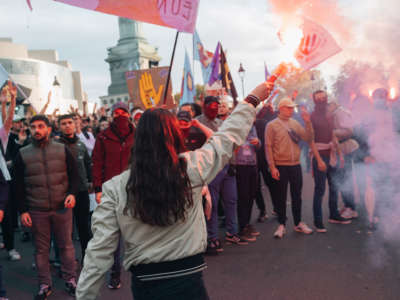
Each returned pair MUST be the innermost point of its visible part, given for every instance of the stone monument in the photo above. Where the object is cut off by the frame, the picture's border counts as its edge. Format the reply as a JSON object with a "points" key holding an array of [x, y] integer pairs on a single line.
{"points": [[132, 52]]}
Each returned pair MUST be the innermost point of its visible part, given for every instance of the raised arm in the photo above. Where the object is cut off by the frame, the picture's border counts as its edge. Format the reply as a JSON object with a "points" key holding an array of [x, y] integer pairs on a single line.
{"points": [[7, 122], [205, 163]]}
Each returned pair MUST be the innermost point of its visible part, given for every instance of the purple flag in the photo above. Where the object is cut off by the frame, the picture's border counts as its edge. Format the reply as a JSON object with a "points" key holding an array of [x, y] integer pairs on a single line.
{"points": [[266, 72], [215, 74]]}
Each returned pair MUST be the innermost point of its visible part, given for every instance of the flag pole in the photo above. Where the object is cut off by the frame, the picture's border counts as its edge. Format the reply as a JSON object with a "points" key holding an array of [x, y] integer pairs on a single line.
{"points": [[170, 68]]}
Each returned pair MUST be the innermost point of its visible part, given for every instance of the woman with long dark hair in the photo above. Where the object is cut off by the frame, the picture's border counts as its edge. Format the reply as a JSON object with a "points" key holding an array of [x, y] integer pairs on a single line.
{"points": [[156, 207]]}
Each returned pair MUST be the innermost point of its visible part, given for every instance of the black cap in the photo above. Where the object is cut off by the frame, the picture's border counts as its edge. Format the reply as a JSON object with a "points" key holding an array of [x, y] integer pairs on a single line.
{"points": [[210, 99], [184, 115]]}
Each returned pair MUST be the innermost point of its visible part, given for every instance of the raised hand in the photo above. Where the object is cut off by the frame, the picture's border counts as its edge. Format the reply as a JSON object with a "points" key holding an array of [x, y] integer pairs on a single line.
{"points": [[148, 94]]}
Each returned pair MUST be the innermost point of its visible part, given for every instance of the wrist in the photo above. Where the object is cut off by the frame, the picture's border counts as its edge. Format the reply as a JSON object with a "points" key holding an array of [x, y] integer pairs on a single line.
{"points": [[252, 99]]}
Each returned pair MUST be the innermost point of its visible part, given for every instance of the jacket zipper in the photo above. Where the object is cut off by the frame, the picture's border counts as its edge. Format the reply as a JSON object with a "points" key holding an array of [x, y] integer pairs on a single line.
{"points": [[46, 174]]}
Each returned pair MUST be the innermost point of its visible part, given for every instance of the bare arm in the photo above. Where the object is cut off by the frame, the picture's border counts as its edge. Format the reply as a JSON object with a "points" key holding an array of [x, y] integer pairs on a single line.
{"points": [[207, 131], [43, 111], [7, 122], [321, 164]]}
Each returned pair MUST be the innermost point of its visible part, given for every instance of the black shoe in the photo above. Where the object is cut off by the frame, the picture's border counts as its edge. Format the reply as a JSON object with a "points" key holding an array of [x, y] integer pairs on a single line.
{"points": [[235, 239], [70, 287], [44, 292], [339, 220], [114, 283]]}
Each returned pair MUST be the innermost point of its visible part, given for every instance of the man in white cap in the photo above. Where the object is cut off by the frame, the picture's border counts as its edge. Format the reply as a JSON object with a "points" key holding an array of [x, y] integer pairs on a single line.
{"points": [[282, 136]]}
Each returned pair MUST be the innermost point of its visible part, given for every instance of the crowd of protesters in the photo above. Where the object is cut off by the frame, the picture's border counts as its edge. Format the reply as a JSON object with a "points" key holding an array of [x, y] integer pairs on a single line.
{"points": [[53, 168]]}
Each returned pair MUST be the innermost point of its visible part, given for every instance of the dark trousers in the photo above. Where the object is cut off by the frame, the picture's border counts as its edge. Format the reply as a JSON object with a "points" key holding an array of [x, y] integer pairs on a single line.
{"points": [[180, 288], [292, 175], [7, 227], [2, 289], [266, 176], [246, 179], [60, 223], [320, 179], [82, 215], [344, 181]]}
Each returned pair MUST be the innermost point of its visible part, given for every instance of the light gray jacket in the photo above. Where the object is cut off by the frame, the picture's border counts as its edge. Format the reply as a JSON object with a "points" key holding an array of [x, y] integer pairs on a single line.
{"points": [[150, 244]]}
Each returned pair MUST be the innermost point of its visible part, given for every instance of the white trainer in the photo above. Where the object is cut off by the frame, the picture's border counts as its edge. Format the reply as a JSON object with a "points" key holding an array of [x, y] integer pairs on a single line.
{"points": [[348, 214], [14, 255], [303, 228], [280, 232]]}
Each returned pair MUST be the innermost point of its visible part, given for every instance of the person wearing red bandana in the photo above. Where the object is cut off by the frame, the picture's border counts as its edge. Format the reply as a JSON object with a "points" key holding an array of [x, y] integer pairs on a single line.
{"points": [[111, 156]]}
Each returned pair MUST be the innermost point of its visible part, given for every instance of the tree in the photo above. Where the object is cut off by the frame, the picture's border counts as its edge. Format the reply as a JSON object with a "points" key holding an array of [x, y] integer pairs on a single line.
{"points": [[304, 82]]}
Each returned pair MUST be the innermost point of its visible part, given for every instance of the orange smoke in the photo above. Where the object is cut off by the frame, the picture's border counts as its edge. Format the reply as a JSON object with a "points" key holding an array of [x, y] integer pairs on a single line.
{"points": [[326, 12]]}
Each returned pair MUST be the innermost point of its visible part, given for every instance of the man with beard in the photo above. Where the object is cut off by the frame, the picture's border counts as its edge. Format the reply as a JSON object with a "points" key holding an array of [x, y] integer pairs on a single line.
{"points": [[325, 149], [78, 150], [210, 113], [46, 185], [111, 156]]}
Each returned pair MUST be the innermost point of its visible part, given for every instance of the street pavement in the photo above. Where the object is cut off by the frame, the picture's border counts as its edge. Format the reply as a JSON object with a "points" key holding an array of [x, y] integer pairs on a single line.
{"points": [[347, 262]]}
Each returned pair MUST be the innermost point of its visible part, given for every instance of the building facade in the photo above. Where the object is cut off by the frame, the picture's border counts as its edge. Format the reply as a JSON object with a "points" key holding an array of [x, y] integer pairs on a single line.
{"points": [[37, 70]]}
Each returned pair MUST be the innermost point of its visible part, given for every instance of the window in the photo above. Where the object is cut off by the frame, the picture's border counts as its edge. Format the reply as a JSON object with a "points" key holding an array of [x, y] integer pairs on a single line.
{"points": [[112, 101]]}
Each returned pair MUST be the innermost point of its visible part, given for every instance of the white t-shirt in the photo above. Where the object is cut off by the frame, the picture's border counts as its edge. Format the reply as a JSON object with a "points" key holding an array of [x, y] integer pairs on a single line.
{"points": [[88, 142]]}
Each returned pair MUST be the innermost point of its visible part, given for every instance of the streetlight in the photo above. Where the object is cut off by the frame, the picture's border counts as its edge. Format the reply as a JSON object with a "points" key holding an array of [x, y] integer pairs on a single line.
{"points": [[242, 73], [56, 97]]}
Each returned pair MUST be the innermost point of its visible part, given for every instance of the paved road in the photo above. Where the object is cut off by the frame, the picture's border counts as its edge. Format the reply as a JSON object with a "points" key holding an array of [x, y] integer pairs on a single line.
{"points": [[345, 263]]}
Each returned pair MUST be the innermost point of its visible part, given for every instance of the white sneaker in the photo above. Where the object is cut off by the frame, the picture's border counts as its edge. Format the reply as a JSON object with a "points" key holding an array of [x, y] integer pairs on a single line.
{"points": [[303, 227], [14, 255], [280, 232], [348, 213]]}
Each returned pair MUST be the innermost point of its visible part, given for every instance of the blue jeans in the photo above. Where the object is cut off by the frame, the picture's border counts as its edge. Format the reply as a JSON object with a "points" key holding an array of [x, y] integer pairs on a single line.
{"points": [[2, 290], [345, 182], [319, 191], [225, 184]]}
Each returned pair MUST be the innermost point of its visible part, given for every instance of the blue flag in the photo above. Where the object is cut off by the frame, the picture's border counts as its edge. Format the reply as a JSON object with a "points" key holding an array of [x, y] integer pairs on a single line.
{"points": [[203, 56], [188, 89]]}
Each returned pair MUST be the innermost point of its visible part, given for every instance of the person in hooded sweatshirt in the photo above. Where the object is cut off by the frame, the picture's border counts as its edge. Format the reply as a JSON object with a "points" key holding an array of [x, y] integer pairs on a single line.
{"points": [[111, 156]]}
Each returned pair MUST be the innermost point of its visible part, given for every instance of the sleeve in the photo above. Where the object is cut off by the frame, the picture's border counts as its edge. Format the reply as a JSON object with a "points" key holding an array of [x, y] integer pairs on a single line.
{"points": [[205, 163], [19, 170], [269, 140], [88, 165], [98, 164], [72, 171], [99, 256], [306, 134]]}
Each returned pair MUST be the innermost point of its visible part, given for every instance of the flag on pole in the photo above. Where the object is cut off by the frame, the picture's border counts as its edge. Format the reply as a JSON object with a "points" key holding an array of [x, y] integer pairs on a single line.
{"points": [[226, 77], [266, 71], [188, 88], [29, 4], [316, 46], [181, 15], [201, 54], [215, 71]]}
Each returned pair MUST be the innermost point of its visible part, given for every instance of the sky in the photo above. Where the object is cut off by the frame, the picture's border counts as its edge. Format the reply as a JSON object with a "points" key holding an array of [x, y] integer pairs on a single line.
{"points": [[246, 29]]}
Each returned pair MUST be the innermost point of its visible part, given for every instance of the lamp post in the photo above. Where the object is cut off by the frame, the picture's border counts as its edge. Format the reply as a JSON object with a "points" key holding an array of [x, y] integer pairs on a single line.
{"points": [[56, 93], [242, 73]]}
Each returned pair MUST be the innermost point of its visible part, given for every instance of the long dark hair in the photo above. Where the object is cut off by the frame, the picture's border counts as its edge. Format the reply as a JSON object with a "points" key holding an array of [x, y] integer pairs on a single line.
{"points": [[159, 190]]}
